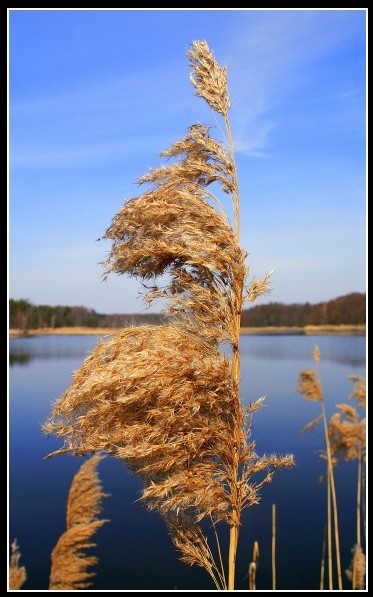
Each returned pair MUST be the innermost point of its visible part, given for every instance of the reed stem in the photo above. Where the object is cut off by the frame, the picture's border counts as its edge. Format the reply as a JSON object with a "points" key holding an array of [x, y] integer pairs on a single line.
{"points": [[233, 534], [330, 551], [334, 496]]}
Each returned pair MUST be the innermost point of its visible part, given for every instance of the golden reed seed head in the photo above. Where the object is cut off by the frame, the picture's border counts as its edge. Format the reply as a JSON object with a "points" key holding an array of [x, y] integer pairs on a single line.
{"points": [[70, 562], [359, 391], [309, 385], [347, 435], [208, 78]]}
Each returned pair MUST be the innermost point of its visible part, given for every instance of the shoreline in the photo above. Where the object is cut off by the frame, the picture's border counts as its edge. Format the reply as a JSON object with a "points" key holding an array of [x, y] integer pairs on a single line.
{"points": [[308, 330]]}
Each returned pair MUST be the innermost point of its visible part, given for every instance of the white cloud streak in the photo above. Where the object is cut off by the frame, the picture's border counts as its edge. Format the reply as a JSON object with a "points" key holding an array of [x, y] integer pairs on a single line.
{"points": [[278, 53]]}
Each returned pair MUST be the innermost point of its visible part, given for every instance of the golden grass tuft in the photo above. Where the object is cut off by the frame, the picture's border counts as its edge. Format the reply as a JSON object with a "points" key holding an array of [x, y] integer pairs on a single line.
{"points": [[17, 573], [69, 558]]}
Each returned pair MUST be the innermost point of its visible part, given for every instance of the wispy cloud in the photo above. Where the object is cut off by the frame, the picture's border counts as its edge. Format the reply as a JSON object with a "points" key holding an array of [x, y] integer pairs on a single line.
{"points": [[107, 120], [83, 154], [279, 53], [274, 55]]}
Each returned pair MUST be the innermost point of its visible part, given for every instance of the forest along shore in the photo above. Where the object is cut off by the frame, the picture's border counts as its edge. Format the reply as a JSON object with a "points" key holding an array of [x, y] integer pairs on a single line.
{"points": [[311, 330]]}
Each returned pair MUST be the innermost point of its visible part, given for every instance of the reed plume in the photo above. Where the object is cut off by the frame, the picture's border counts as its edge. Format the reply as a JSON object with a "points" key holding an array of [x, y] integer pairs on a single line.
{"points": [[17, 573], [69, 558], [165, 399]]}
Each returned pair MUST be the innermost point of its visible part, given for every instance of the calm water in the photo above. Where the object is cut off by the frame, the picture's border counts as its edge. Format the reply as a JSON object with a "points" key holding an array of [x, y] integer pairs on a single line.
{"points": [[134, 549]]}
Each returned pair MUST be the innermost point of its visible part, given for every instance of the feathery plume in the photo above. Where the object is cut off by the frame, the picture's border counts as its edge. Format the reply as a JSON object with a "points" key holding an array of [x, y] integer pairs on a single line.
{"points": [[69, 559], [17, 573], [258, 287], [208, 78], [359, 392], [309, 385]]}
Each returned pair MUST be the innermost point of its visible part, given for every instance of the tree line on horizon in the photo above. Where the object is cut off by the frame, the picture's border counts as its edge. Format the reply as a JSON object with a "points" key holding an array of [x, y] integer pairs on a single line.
{"points": [[349, 309]]}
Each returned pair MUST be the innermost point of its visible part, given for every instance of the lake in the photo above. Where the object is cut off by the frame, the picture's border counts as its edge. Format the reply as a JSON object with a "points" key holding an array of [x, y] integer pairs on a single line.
{"points": [[134, 549]]}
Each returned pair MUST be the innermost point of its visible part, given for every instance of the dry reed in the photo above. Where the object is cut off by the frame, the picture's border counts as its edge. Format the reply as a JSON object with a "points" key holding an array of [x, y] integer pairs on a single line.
{"points": [[165, 399], [17, 573], [310, 387], [69, 560], [347, 432]]}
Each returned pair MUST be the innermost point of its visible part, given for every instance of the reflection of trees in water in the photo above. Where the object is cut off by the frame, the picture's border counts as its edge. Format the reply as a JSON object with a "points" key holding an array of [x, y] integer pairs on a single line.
{"points": [[344, 359], [23, 358], [263, 352], [19, 358]]}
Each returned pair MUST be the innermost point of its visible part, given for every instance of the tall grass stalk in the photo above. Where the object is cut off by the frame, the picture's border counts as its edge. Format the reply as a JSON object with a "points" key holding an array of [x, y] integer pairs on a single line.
{"points": [[166, 399]]}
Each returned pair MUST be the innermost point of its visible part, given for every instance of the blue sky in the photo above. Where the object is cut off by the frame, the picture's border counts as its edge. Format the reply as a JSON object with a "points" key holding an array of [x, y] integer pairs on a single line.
{"points": [[95, 95]]}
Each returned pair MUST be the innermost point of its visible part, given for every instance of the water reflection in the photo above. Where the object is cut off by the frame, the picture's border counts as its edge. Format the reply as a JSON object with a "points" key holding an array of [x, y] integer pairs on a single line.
{"points": [[19, 358], [340, 350], [46, 348]]}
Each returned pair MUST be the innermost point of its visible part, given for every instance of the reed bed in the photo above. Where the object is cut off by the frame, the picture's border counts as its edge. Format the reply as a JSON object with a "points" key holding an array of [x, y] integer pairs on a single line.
{"points": [[345, 436]]}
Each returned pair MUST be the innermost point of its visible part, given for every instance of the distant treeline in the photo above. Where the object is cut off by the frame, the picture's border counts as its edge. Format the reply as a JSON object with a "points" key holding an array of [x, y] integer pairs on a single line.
{"points": [[26, 316], [348, 309]]}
